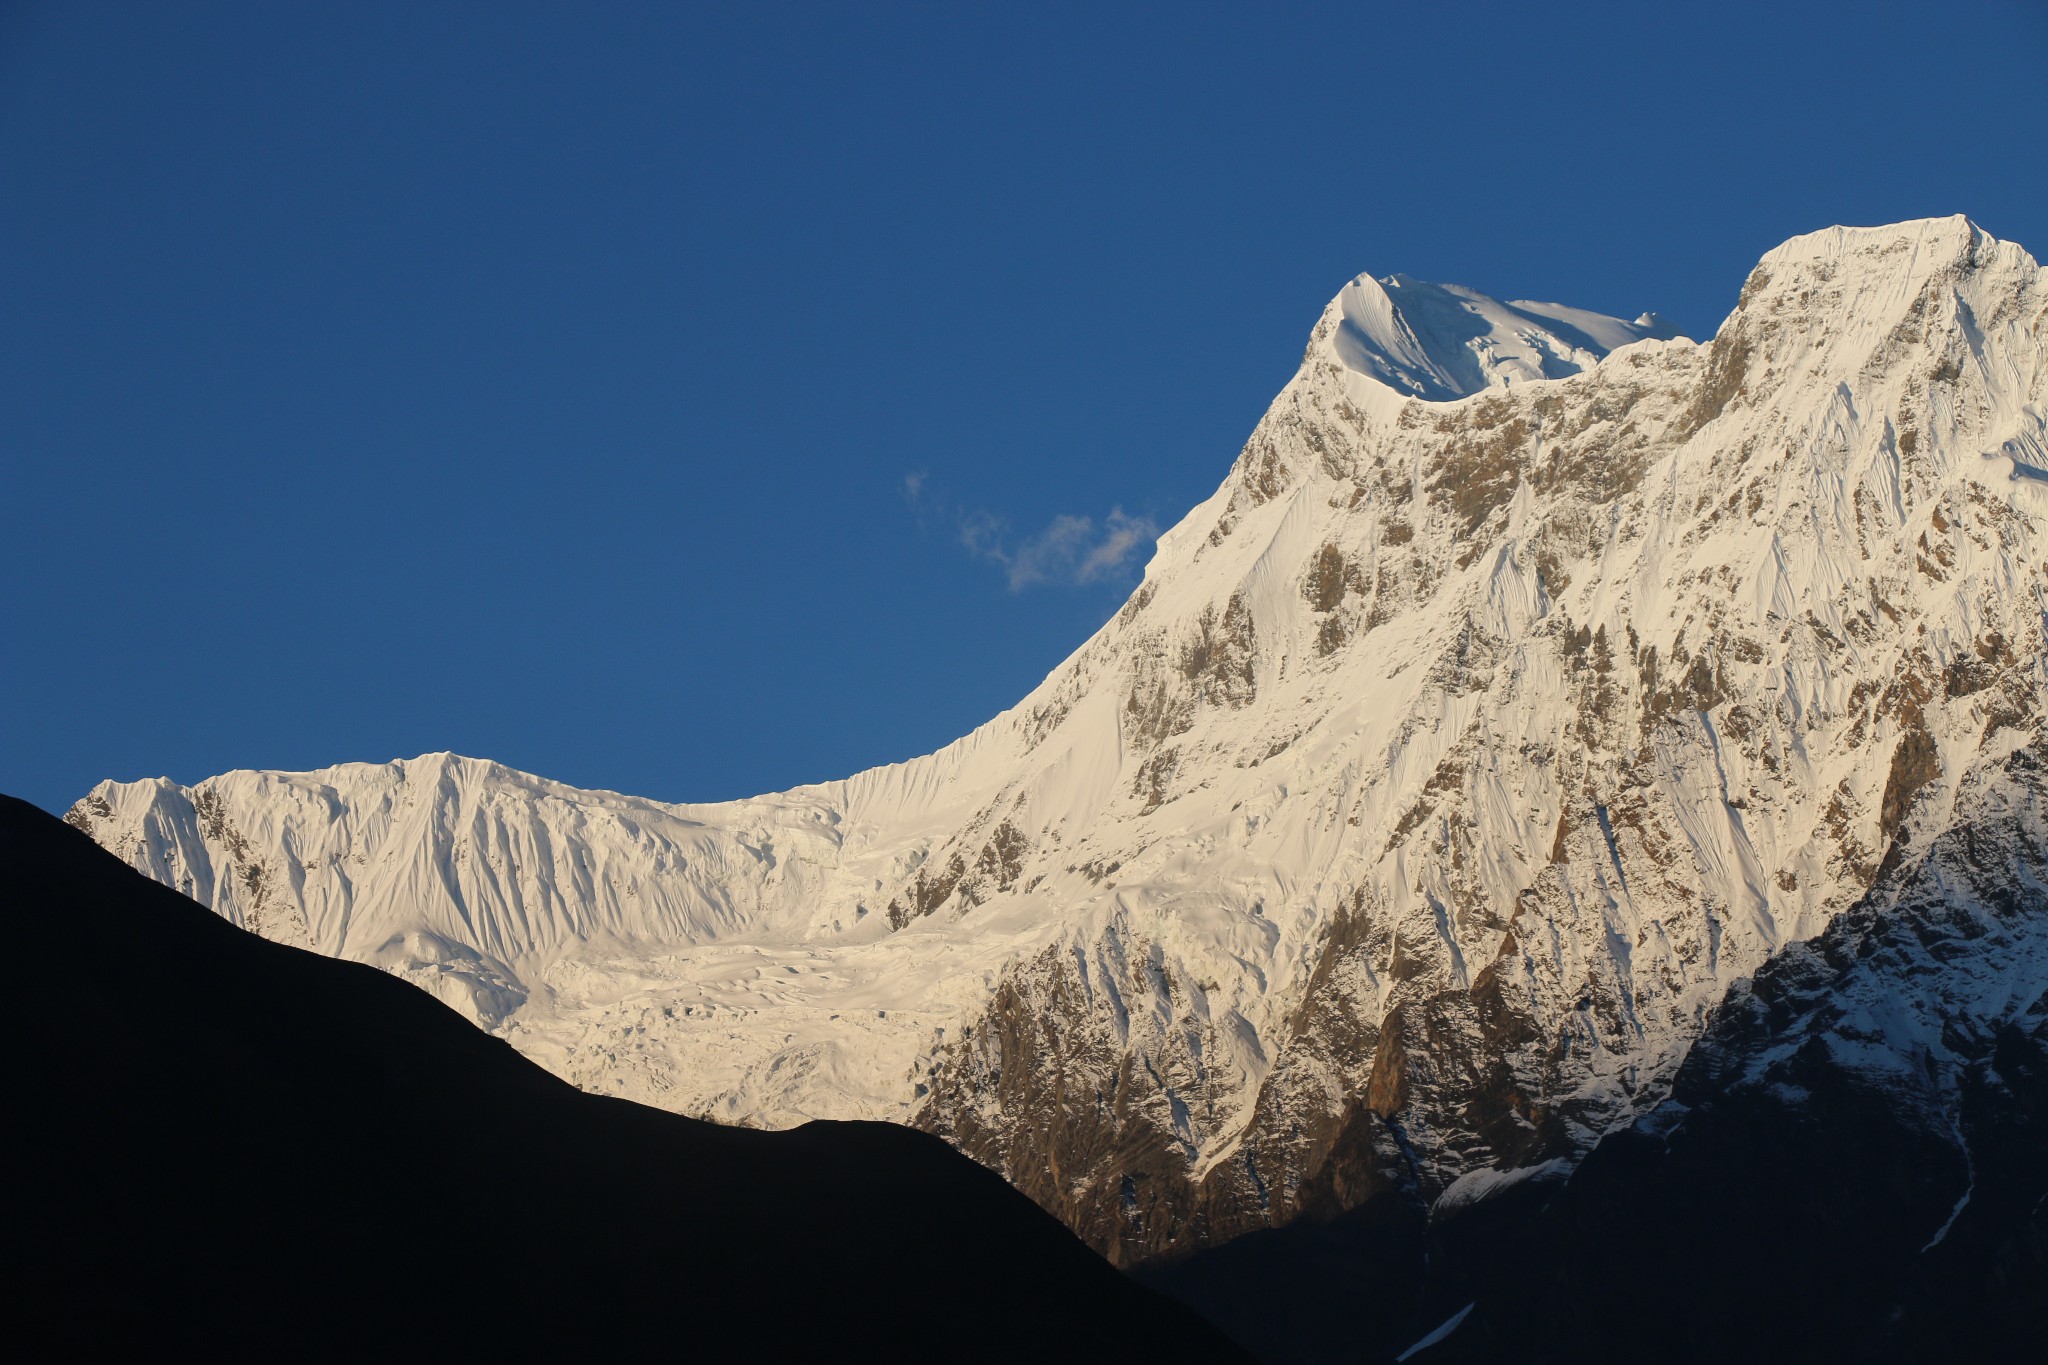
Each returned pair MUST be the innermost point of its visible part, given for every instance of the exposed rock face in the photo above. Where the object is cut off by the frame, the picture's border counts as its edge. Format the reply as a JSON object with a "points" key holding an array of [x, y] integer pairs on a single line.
{"points": [[1451, 763]]}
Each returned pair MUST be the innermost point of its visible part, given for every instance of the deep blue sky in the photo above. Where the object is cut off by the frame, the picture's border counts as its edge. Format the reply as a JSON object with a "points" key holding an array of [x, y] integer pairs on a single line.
{"points": [[542, 381]]}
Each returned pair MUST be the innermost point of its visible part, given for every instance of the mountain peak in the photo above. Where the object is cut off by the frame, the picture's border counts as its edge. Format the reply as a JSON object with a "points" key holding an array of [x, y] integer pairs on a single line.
{"points": [[1442, 342], [1850, 275], [1931, 238]]}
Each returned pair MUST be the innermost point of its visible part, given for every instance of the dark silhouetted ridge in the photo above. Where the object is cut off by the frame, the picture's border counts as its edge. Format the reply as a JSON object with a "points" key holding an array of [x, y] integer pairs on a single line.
{"points": [[229, 1145]]}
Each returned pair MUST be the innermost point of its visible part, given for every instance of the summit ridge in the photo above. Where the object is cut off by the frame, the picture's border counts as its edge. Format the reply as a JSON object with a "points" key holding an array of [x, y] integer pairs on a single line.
{"points": [[1441, 342]]}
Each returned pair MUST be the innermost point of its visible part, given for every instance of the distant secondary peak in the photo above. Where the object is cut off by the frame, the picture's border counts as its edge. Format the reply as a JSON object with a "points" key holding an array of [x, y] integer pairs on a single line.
{"points": [[1441, 342]]}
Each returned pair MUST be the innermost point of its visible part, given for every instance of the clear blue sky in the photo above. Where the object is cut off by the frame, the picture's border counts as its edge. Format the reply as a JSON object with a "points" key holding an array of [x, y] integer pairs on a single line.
{"points": [[545, 382]]}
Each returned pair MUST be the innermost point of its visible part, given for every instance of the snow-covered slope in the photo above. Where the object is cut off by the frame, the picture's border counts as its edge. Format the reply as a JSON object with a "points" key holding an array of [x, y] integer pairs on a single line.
{"points": [[1853, 1147], [1449, 764], [1443, 341]]}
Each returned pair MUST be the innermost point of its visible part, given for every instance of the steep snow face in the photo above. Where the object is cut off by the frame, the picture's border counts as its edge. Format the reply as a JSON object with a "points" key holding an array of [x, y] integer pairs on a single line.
{"points": [[1450, 762], [1443, 341], [1872, 1102], [462, 875], [1911, 991]]}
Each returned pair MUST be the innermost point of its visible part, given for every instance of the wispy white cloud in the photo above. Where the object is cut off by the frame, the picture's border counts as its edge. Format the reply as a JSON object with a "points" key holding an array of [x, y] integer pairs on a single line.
{"points": [[1077, 550], [1072, 551]]}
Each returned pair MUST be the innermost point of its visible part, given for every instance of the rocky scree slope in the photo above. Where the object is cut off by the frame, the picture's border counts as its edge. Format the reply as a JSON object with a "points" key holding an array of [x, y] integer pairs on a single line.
{"points": [[1450, 762]]}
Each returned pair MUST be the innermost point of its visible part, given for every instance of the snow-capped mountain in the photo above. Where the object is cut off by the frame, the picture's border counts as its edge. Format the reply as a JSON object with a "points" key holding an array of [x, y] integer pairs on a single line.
{"points": [[1532, 679]]}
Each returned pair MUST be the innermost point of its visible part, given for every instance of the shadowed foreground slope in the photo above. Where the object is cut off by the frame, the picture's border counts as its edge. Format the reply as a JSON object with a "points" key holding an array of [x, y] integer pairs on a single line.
{"points": [[231, 1144]]}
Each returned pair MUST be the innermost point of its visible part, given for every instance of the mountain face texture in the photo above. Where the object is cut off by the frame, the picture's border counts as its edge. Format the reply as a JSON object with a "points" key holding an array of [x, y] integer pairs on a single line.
{"points": [[1852, 1163], [250, 1151], [1868, 1114], [1533, 679]]}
